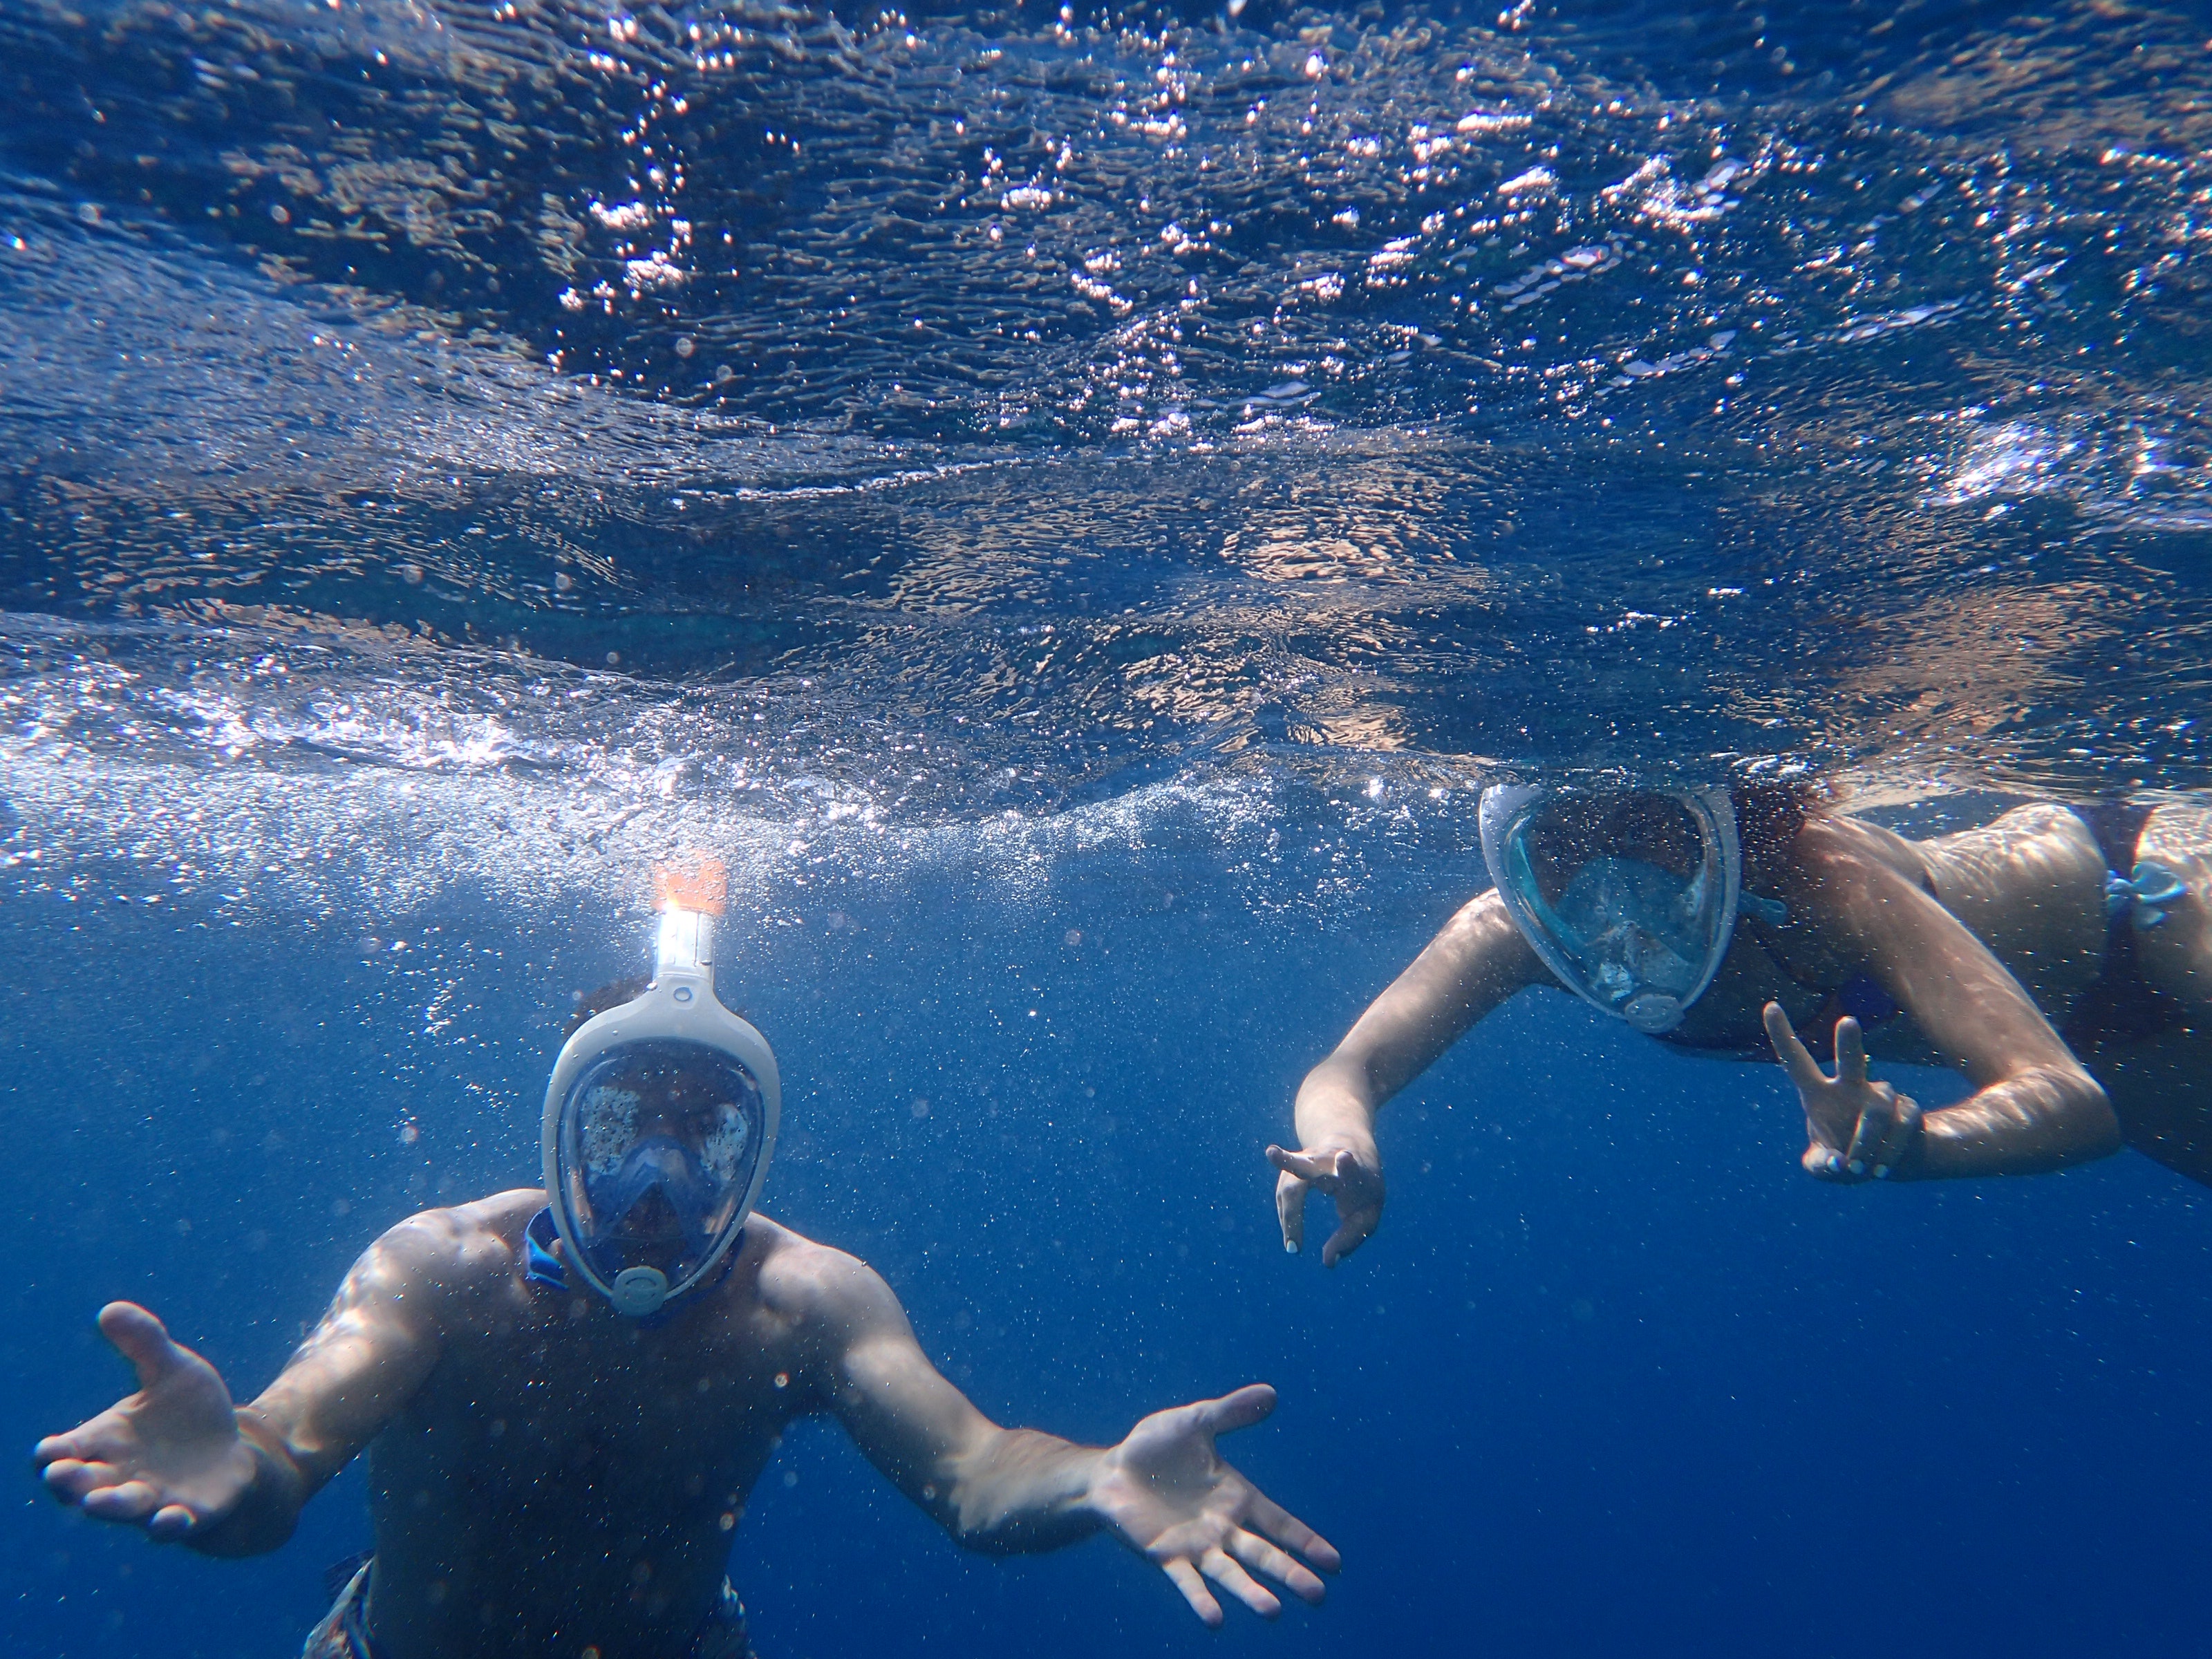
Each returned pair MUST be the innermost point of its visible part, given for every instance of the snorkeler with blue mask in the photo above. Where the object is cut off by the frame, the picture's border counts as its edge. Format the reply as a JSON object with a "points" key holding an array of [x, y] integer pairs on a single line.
{"points": [[1725, 920], [567, 1395], [660, 1116]]}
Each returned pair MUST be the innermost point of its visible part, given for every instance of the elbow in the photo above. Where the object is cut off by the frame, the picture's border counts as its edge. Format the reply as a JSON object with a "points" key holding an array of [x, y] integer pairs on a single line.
{"points": [[2095, 1126], [982, 1540], [2033, 1122], [982, 1528], [2077, 1122], [960, 1498]]}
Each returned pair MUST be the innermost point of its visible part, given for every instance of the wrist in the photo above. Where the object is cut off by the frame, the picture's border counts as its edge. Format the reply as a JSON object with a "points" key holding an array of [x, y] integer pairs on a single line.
{"points": [[1362, 1146], [1332, 1108], [1026, 1491], [1088, 1506], [1330, 1126], [267, 1508], [1909, 1160]]}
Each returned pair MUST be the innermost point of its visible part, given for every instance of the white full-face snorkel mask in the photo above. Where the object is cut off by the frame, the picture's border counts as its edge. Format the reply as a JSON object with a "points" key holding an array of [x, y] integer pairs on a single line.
{"points": [[660, 1119], [1638, 938]]}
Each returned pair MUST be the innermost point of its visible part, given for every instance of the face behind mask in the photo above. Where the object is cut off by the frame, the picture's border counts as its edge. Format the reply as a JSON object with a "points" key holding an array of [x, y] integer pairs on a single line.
{"points": [[655, 1142], [655, 1175], [1632, 937]]}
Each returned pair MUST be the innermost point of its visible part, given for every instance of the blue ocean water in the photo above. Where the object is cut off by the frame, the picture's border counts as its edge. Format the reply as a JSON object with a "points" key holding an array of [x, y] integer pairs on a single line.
{"points": [[1070, 505]]}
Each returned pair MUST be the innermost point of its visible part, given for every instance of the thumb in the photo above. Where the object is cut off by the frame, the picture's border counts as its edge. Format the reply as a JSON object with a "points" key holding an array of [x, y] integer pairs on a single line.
{"points": [[1320, 1168], [141, 1339], [1240, 1410]]}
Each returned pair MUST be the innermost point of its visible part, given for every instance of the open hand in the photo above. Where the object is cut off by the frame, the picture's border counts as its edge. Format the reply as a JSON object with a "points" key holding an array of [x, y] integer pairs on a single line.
{"points": [[168, 1457], [1858, 1130], [1353, 1179], [1167, 1494]]}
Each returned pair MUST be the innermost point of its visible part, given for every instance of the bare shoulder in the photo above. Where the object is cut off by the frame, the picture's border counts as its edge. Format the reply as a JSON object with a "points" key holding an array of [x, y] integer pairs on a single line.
{"points": [[1839, 867], [817, 1286], [1831, 844], [455, 1250]]}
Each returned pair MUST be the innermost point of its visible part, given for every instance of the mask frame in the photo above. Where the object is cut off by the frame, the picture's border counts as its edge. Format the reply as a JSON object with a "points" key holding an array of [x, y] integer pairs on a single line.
{"points": [[679, 1004], [1506, 809]]}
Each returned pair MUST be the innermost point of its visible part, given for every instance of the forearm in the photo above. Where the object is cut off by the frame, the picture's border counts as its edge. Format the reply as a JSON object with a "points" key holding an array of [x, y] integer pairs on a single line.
{"points": [[1020, 1491], [2036, 1120], [1336, 1106], [1476, 964], [268, 1510]]}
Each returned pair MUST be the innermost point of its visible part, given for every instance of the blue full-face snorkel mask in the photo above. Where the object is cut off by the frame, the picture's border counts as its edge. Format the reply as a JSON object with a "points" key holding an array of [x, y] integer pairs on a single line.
{"points": [[660, 1116], [1639, 940]]}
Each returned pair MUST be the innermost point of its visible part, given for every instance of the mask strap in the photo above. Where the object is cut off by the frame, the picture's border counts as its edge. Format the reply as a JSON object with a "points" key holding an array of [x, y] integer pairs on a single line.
{"points": [[1771, 911], [544, 1268]]}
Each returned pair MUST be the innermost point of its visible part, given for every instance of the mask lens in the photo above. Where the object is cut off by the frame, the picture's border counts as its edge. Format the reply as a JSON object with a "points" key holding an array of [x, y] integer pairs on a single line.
{"points": [[658, 1144], [1565, 835], [1626, 897]]}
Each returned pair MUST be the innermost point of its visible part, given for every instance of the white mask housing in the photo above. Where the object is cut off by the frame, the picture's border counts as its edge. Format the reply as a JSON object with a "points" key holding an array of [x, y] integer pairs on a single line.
{"points": [[1628, 897], [661, 1117]]}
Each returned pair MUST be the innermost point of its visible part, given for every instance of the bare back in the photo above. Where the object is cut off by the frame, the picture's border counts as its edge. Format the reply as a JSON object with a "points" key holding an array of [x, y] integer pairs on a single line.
{"points": [[2031, 884]]}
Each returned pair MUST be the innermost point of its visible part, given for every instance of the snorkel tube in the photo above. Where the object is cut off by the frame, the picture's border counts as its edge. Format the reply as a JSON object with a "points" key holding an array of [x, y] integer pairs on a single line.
{"points": [[678, 1007]]}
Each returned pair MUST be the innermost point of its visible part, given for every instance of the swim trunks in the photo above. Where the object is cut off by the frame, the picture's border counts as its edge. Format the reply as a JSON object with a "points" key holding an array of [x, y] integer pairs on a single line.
{"points": [[343, 1633]]}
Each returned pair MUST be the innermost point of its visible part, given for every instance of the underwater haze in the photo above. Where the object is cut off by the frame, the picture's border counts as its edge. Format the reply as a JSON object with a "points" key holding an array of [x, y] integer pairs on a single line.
{"points": [[1071, 505]]}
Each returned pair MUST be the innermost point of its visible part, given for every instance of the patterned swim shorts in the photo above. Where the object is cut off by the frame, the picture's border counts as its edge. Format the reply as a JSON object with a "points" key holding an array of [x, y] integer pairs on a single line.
{"points": [[343, 1633]]}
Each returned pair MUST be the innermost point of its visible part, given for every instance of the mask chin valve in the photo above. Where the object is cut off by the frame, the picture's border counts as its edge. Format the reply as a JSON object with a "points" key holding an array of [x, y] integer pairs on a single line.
{"points": [[638, 1291], [1652, 1012]]}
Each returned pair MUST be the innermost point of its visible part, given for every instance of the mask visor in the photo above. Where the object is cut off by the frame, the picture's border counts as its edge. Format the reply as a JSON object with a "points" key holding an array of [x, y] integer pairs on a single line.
{"points": [[1629, 897], [656, 1145]]}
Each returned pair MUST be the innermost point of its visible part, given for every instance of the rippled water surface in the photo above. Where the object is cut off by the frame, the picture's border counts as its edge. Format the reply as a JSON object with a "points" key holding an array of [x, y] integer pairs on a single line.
{"points": [[480, 387], [1109, 478]]}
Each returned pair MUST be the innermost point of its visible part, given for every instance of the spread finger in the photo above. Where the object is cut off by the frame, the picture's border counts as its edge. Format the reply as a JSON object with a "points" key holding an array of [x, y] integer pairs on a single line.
{"points": [[1258, 1554], [1851, 1052], [1804, 1070], [1217, 1566], [1291, 1211], [134, 1500], [1287, 1530], [1186, 1579]]}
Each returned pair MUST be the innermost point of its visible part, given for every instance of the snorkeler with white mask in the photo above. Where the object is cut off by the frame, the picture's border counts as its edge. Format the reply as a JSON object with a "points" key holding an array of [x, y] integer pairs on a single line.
{"points": [[2060, 957], [567, 1395]]}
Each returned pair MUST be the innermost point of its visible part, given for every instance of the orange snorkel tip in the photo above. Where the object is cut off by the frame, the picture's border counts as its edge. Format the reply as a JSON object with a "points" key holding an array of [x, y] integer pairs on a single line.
{"points": [[697, 884]]}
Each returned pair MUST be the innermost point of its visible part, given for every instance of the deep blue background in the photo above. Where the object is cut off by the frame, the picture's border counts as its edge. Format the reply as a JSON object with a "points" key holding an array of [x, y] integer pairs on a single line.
{"points": [[1614, 1374]]}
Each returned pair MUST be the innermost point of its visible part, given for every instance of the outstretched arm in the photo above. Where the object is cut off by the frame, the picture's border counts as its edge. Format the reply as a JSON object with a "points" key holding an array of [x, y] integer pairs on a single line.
{"points": [[2034, 1107], [1164, 1490], [179, 1460], [1477, 962]]}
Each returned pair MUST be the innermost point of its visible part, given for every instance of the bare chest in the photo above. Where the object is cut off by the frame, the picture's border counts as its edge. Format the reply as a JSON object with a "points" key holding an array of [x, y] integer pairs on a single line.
{"points": [[560, 1475], [595, 1410]]}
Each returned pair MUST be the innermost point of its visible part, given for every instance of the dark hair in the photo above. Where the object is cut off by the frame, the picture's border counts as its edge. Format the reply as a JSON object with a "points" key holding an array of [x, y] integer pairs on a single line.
{"points": [[1768, 816], [612, 995]]}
